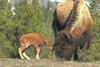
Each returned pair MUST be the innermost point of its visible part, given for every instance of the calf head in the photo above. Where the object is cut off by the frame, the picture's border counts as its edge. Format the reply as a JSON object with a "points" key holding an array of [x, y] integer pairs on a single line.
{"points": [[49, 45]]}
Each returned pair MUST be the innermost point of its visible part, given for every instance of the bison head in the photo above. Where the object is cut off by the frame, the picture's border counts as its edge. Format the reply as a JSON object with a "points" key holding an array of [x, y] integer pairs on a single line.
{"points": [[64, 47]]}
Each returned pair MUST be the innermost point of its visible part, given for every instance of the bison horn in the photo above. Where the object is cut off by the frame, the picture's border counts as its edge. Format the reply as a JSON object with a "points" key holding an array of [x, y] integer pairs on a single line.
{"points": [[67, 35]]}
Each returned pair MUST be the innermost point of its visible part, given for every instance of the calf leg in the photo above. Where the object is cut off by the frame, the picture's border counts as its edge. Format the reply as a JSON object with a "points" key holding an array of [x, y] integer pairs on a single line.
{"points": [[37, 52], [21, 51], [25, 55]]}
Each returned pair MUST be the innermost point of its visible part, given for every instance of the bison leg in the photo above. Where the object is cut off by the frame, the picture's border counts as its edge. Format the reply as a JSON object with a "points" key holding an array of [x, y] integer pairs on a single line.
{"points": [[74, 56], [37, 52], [84, 50]]}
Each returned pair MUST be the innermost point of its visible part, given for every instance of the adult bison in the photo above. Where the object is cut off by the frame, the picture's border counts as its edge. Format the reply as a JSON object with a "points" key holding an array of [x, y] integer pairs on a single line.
{"points": [[72, 25]]}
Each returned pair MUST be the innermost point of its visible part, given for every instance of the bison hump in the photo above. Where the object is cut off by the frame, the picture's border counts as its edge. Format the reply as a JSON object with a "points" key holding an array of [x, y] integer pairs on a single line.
{"points": [[63, 11]]}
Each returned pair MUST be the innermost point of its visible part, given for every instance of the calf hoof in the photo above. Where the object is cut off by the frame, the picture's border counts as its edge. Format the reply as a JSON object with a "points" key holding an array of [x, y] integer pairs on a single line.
{"points": [[28, 58], [22, 58], [37, 58]]}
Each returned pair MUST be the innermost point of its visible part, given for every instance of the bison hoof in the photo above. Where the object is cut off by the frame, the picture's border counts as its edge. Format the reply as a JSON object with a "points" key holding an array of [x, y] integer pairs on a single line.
{"points": [[83, 59]]}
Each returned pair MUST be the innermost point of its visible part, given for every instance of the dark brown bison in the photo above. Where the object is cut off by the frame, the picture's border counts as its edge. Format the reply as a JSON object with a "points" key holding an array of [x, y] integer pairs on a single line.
{"points": [[72, 25]]}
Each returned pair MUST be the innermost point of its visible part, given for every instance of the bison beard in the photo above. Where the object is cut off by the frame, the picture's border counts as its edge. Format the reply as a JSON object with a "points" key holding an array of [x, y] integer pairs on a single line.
{"points": [[74, 32]]}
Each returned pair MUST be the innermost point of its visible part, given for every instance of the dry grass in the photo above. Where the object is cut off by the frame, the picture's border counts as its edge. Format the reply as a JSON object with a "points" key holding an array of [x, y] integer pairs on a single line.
{"points": [[45, 63]]}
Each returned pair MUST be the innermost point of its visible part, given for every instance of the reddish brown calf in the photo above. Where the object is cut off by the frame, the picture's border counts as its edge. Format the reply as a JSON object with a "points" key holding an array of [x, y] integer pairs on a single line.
{"points": [[36, 40]]}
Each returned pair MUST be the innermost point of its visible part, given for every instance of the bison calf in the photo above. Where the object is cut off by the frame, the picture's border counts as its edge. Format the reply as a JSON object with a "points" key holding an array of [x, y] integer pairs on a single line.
{"points": [[36, 40]]}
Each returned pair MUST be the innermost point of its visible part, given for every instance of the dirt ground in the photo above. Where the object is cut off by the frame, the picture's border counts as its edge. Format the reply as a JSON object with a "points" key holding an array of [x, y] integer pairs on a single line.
{"points": [[45, 63]]}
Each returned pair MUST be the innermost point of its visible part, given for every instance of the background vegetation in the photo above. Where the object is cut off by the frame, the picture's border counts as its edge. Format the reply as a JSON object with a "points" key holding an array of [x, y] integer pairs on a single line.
{"points": [[34, 18]]}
